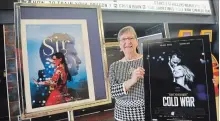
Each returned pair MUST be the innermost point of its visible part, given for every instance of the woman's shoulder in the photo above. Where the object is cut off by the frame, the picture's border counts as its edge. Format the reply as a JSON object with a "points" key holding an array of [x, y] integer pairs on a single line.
{"points": [[123, 62], [117, 65], [114, 64]]}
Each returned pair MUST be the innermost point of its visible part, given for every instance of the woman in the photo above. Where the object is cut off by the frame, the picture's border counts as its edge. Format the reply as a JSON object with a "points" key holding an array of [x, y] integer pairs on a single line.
{"points": [[183, 76], [126, 79], [58, 82]]}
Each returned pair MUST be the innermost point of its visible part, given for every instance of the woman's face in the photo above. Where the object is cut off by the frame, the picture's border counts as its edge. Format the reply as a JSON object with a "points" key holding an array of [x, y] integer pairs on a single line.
{"points": [[128, 42], [178, 71], [56, 61]]}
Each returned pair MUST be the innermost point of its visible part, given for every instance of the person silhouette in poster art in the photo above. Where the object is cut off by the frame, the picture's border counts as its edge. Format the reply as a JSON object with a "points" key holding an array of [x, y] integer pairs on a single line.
{"points": [[56, 43], [182, 75]]}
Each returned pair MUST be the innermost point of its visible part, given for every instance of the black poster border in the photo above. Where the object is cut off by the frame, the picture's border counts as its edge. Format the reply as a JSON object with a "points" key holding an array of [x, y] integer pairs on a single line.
{"points": [[209, 75]]}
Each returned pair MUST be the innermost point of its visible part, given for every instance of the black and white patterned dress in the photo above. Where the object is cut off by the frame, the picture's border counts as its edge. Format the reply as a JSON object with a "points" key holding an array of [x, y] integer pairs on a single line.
{"points": [[129, 106]]}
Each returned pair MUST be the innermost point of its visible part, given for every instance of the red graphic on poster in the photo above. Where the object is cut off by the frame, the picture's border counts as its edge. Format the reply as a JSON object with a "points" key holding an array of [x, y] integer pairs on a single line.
{"points": [[215, 67]]}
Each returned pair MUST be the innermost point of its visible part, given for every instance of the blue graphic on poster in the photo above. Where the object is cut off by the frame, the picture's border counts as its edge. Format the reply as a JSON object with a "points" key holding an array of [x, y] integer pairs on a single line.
{"points": [[56, 59]]}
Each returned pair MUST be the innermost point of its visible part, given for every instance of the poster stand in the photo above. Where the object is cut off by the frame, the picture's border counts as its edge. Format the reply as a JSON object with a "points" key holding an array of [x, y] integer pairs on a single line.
{"points": [[70, 115]]}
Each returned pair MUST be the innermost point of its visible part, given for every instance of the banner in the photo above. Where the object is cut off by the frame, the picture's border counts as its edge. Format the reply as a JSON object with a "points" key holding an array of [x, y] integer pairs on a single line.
{"points": [[183, 6]]}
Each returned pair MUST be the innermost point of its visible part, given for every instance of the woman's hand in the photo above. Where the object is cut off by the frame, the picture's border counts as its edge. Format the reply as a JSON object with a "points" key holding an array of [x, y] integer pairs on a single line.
{"points": [[171, 63], [136, 75], [35, 81], [38, 83]]}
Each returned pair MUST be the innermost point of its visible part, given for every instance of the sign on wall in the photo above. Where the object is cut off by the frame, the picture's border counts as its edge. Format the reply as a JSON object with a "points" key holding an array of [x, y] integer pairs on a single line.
{"points": [[187, 7]]}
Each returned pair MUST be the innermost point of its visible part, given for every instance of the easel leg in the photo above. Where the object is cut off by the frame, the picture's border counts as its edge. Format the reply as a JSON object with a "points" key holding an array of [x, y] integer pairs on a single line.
{"points": [[19, 119], [70, 116]]}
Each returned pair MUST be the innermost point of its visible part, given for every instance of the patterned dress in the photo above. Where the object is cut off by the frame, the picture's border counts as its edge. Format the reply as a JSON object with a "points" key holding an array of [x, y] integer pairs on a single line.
{"points": [[60, 91], [130, 105]]}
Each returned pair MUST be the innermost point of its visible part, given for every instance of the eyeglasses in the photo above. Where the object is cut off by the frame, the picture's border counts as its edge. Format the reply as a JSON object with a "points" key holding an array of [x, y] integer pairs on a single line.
{"points": [[128, 38]]}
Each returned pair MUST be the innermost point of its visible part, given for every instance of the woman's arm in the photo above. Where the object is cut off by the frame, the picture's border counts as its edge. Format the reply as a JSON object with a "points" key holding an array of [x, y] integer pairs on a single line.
{"points": [[169, 63], [119, 89], [52, 81], [47, 82], [136, 75]]}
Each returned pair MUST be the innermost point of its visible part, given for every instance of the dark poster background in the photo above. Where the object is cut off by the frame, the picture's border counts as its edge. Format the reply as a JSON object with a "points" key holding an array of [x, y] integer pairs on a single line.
{"points": [[113, 54], [164, 95]]}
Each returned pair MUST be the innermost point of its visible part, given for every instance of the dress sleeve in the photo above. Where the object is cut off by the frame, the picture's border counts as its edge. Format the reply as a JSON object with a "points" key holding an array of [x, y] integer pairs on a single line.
{"points": [[117, 89], [56, 76]]}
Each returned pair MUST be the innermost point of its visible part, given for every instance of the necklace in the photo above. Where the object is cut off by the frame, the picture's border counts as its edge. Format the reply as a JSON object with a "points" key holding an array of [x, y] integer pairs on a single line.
{"points": [[132, 58]]}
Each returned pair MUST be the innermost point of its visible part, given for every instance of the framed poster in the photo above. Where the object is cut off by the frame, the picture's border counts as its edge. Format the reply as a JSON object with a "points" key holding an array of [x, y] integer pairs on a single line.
{"points": [[215, 66], [185, 33], [13, 99], [56, 39], [155, 29], [146, 38], [207, 32], [63, 58], [113, 52], [179, 83]]}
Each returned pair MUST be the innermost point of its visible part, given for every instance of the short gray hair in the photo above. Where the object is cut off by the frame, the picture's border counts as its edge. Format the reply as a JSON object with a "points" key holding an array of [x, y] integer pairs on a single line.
{"points": [[127, 29]]}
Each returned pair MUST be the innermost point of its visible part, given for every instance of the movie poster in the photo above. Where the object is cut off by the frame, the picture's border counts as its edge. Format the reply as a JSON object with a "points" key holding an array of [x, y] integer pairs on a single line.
{"points": [[179, 82], [146, 38], [56, 63], [113, 52]]}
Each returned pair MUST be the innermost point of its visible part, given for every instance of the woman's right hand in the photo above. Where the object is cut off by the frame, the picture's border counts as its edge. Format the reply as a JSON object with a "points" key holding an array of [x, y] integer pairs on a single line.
{"points": [[136, 75]]}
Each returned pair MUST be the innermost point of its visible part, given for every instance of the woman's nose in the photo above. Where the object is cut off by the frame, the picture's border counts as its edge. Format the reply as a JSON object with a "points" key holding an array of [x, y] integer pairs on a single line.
{"points": [[78, 61], [128, 41]]}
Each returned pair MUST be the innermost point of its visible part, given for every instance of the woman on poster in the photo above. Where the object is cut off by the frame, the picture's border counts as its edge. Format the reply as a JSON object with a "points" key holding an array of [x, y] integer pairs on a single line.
{"points": [[58, 82], [183, 76]]}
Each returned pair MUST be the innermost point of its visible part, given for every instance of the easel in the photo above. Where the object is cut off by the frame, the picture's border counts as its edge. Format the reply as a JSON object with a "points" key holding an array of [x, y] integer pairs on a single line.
{"points": [[104, 93]]}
